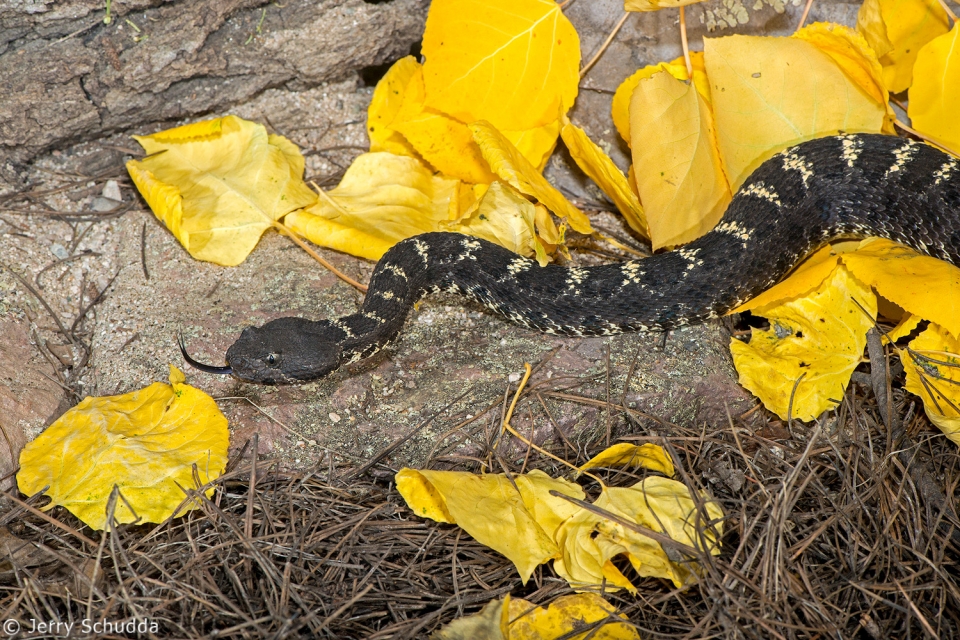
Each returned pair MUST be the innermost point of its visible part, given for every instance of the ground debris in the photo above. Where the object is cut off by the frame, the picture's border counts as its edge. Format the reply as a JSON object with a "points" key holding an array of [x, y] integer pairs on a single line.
{"points": [[826, 536]]}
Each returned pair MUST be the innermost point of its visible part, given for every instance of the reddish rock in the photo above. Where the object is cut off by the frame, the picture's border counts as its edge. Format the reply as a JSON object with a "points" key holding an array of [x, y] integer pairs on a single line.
{"points": [[29, 399]]}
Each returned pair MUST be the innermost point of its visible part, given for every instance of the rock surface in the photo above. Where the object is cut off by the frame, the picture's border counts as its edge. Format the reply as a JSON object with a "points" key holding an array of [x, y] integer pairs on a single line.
{"points": [[30, 397], [117, 280], [68, 76]]}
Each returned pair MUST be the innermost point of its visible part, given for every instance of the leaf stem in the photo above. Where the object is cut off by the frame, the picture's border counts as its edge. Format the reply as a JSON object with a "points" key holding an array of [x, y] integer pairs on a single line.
{"points": [[683, 43], [926, 138], [806, 12], [316, 256], [946, 7]]}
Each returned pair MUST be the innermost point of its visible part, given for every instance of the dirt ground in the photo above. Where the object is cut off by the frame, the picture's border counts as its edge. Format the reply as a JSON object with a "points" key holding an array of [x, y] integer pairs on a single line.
{"points": [[843, 528]]}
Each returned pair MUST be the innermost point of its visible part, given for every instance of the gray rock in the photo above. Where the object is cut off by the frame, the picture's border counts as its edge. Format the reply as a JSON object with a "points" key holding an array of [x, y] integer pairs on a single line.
{"points": [[68, 76]]}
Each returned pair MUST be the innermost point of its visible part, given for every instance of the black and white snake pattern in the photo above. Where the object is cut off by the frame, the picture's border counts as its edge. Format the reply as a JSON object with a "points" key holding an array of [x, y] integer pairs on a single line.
{"points": [[842, 186]]}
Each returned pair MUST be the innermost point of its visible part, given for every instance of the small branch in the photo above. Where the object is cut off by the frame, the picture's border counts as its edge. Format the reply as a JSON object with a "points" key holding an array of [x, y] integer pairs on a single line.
{"points": [[605, 45]]}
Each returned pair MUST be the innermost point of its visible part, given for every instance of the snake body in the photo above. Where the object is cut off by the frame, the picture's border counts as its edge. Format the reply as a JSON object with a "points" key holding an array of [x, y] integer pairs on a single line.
{"points": [[841, 186]]}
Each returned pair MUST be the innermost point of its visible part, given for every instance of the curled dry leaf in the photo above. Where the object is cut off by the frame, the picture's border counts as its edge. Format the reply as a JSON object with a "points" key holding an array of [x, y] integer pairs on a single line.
{"points": [[382, 199], [600, 168], [510, 165], [935, 92], [679, 173], [507, 218], [620, 107], [588, 541], [649, 456], [924, 286], [524, 522], [219, 184], [897, 30], [518, 619], [513, 63], [491, 623], [565, 615], [812, 347], [932, 364], [490, 509], [144, 442]]}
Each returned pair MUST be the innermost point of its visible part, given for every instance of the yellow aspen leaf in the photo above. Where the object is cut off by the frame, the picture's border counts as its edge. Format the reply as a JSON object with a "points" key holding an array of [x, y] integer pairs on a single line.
{"points": [[649, 456], [565, 615], [548, 511], [679, 175], [468, 200], [518, 619], [382, 199], [546, 228], [769, 93], [855, 57], [665, 506], [219, 184], [809, 275], [897, 30], [448, 145], [505, 217], [932, 364], [600, 168], [935, 92], [620, 108], [489, 624], [513, 63], [905, 327], [520, 518], [536, 144], [870, 25], [549, 237], [144, 442], [444, 142], [489, 508], [385, 106], [817, 340], [510, 165], [655, 5], [922, 285], [588, 541], [585, 559]]}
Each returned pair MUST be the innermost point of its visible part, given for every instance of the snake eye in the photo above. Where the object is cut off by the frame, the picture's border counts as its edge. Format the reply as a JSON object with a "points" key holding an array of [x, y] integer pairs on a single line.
{"points": [[273, 359]]}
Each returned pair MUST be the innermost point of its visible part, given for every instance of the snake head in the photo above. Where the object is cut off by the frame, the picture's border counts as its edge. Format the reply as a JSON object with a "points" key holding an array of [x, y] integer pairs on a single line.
{"points": [[284, 351]]}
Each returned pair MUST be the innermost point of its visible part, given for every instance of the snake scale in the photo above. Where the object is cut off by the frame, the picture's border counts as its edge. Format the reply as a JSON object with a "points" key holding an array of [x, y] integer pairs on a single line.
{"points": [[841, 186]]}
